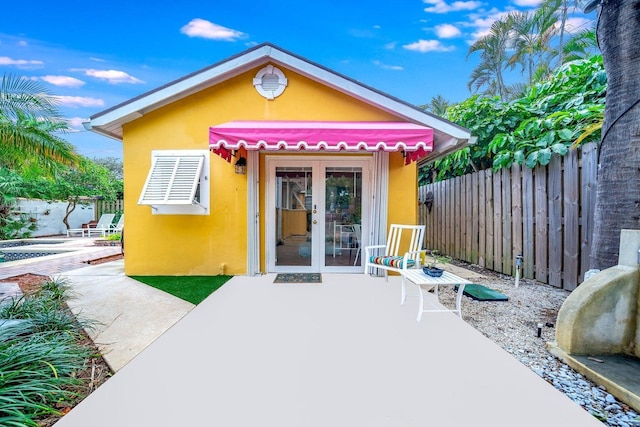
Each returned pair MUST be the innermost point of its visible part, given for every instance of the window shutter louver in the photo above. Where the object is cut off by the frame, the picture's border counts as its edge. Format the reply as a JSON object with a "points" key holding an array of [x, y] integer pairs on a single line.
{"points": [[172, 180]]}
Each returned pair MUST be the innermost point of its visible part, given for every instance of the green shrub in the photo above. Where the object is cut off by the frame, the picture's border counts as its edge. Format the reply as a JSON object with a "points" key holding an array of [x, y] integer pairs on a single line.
{"points": [[39, 356], [114, 237]]}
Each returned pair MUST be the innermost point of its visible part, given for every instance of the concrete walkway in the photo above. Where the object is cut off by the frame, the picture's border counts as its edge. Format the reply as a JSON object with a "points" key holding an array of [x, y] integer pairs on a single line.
{"points": [[340, 353], [129, 315]]}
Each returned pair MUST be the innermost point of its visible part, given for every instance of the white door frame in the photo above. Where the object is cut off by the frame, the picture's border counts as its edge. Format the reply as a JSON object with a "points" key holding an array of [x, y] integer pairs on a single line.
{"points": [[318, 163]]}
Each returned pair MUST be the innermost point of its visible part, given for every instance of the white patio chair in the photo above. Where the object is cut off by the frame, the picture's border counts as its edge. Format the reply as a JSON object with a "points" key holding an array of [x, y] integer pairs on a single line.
{"points": [[117, 227], [103, 226], [80, 231], [388, 257]]}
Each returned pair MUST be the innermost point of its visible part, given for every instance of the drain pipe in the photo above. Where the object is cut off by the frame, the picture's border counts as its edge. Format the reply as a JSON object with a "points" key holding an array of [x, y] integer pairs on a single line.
{"points": [[518, 267]]}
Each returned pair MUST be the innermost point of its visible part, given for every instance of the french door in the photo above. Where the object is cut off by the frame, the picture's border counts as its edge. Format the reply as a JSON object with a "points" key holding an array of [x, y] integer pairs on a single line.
{"points": [[317, 213]]}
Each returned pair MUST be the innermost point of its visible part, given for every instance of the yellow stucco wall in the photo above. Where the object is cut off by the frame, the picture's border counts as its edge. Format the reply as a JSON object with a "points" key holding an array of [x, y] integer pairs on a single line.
{"points": [[215, 244]]}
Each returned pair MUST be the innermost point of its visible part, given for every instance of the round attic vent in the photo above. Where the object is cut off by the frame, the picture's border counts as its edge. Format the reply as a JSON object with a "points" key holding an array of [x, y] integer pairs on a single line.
{"points": [[270, 82]]}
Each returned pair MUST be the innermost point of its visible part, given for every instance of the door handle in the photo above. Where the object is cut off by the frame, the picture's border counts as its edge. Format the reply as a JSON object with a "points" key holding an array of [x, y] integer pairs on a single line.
{"points": [[315, 222]]}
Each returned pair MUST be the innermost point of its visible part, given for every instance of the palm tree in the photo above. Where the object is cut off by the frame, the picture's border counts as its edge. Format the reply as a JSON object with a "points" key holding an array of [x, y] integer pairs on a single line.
{"points": [[530, 37], [618, 184], [29, 122], [493, 60], [580, 45], [562, 7], [437, 106]]}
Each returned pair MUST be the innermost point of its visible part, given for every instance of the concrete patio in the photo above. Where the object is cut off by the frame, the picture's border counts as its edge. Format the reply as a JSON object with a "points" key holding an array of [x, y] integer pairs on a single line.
{"points": [[340, 353]]}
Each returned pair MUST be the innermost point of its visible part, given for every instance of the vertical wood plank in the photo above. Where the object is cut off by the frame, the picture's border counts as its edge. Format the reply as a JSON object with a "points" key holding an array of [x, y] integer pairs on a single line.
{"points": [[516, 211], [482, 219], [437, 200], [507, 248], [463, 216], [451, 203], [528, 237], [541, 226], [469, 218], [443, 215], [488, 188], [554, 182], [571, 227], [587, 203], [497, 221], [421, 216], [430, 221], [424, 214], [458, 219], [475, 238]]}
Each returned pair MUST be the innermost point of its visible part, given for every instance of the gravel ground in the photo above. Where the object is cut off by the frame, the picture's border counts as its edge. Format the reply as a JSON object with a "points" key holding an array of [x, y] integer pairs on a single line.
{"points": [[513, 326]]}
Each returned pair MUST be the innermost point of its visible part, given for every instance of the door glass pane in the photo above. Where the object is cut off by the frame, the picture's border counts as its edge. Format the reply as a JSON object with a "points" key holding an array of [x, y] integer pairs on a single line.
{"points": [[293, 216], [343, 216]]}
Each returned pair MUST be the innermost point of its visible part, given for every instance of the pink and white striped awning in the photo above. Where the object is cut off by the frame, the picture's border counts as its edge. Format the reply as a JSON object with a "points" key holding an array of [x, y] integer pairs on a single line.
{"points": [[416, 141]]}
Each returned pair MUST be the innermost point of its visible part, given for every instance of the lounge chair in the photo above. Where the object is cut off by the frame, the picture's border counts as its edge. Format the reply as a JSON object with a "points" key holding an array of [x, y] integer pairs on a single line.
{"points": [[390, 257], [117, 227], [103, 226]]}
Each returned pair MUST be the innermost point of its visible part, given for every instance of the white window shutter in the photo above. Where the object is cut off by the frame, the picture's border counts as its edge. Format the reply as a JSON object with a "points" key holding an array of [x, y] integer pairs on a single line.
{"points": [[172, 180]]}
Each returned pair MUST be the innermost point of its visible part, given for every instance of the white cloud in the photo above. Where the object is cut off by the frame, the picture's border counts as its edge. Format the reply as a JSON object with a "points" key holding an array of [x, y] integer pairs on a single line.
{"points": [[23, 43], [388, 67], [390, 45], [441, 6], [75, 123], [79, 101], [65, 81], [5, 60], [377, 27], [483, 23], [111, 76], [447, 31], [527, 3], [208, 30], [428, 46], [93, 58]]}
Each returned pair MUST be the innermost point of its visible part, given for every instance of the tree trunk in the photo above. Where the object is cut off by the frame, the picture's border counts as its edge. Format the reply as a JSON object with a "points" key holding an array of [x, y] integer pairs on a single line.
{"points": [[618, 187], [71, 206], [563, 21]]}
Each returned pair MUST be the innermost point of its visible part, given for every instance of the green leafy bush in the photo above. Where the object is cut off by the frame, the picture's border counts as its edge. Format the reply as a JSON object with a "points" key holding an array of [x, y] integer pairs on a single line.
{"points": [[114, 237], [551, 116]]}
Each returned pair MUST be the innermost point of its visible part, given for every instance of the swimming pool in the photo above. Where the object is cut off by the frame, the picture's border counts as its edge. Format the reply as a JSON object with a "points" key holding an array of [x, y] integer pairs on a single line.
{"points": [[16, 250]]}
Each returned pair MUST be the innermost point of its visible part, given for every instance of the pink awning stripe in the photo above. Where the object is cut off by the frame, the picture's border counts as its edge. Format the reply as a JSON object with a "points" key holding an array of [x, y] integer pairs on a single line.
{"points": [[415, 140]]}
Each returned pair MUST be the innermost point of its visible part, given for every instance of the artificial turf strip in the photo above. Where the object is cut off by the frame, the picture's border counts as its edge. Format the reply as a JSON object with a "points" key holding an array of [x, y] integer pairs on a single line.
{"points": [[193, 289]]}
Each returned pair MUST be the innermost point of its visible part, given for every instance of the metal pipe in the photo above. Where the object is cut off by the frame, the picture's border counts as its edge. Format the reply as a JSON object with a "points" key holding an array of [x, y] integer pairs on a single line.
{"points": [[518, 266]]}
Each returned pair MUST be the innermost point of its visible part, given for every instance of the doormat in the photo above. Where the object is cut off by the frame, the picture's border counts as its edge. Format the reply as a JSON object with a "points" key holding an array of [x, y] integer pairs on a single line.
{"points": [[298, 278], [482, 293]]}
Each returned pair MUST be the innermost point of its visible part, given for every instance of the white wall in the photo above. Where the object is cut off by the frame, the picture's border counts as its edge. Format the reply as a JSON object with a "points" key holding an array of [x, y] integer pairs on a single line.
{"points": [[49, 215]]}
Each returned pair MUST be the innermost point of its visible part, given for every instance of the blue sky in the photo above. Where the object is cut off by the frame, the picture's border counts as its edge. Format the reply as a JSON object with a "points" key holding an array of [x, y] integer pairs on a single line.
{"points": [[94, 55]]}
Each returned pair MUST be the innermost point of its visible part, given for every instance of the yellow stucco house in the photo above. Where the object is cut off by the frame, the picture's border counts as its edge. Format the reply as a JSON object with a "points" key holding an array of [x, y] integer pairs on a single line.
{"points": [[267, 162]]}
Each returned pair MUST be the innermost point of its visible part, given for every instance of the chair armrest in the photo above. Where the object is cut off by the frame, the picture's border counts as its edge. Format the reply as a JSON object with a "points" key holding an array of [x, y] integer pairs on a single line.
{"points": [[367, 249], [415, 255]]}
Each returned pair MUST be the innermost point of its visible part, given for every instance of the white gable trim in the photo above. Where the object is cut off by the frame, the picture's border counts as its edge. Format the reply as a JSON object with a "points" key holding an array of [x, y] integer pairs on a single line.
{"points": [[110, 122]]}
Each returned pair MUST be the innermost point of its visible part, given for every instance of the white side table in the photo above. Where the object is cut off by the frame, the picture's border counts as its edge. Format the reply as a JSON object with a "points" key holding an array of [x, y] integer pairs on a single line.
{"points": [[420, 279]]}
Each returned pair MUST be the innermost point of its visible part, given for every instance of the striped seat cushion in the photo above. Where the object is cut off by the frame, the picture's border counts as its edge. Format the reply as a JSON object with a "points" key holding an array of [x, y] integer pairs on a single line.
{"points": [[391, 261]]}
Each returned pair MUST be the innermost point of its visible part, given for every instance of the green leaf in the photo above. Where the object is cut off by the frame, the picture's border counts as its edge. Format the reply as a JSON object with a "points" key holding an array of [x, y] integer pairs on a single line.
{"points": [[544, 156], [565, 134], [532, 160], [559, 149], [518, 156]]}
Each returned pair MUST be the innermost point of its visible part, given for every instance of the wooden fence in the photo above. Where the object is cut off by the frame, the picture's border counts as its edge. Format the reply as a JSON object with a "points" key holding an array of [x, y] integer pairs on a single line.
{"points": [[545, 214], [108, 206]]}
